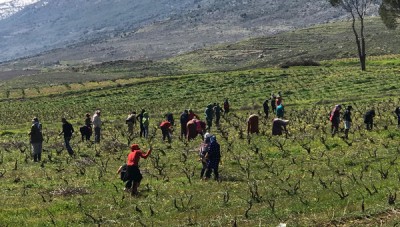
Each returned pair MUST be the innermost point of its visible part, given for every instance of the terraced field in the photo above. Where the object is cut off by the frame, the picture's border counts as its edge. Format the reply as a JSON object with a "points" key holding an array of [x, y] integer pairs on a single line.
{"points": [[307, 178]]}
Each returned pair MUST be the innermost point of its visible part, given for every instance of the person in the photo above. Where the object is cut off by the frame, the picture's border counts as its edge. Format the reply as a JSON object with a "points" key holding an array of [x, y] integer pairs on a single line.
{"points": [[146, 122], [131, 122], [369, 119], [140, 119], [347, 121], [266, 108], [226, 106], [67, 130], [217, 111], [213, 158], [279, 126], [252, 124], [122, 172], [170, 118], [273, 102], [209, 112], [133, 176], [192, 115], [36, 139], [194, 128], [204, 148], [86, 130], [165, 127], [397, 112], [280, 111], [278, 100], [184, 118], [97, 126], [335, 119]]}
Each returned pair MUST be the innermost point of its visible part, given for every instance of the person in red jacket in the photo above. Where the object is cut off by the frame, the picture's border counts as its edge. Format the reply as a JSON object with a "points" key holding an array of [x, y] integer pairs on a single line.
{"points": [[133, 175], [165, 129]]}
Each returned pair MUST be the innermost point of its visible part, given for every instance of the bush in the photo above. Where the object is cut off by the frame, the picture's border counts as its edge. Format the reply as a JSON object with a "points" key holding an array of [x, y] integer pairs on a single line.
{"points": [[301, 62]]}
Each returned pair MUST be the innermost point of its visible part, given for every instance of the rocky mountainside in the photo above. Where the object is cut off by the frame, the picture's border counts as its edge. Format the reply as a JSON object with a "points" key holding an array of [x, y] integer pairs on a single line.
{"points": [[104, 30]]}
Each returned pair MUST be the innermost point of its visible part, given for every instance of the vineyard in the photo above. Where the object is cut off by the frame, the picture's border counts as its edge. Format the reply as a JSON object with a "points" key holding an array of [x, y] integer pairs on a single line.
{"points": [[306, 178]]}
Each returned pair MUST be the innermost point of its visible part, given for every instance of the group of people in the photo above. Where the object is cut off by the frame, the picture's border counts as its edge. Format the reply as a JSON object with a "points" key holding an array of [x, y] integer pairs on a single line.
{"points": [[335, 115]]}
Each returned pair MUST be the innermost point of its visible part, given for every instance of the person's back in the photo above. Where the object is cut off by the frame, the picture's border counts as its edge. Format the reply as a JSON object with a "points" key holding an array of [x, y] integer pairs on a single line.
{"points": [[280, 111], [278, 126], [36, 135], [67, 129], [252, 124]]}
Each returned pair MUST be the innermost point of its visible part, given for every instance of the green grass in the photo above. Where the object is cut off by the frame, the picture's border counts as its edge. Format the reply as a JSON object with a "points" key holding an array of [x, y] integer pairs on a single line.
{"points": [[265, 180]]}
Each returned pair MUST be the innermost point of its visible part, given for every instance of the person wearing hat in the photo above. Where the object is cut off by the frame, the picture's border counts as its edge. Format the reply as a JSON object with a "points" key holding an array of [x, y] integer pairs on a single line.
{"points": [[97, 126], [279, 126], [36, 139], [133, 174], [67, 130], [347, 121], [335, 119]]}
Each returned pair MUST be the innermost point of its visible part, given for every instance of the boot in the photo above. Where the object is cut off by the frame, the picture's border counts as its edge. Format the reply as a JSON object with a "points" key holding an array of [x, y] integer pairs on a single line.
{"points": [[135, 189]]}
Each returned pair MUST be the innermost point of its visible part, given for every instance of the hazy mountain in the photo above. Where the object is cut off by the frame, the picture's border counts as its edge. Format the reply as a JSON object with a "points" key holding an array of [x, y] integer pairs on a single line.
{"points": [[102, 30], [10, 7]]}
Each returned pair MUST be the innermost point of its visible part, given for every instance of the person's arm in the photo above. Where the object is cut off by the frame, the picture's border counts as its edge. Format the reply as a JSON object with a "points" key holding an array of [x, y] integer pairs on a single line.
{"points": [[147, 153]]}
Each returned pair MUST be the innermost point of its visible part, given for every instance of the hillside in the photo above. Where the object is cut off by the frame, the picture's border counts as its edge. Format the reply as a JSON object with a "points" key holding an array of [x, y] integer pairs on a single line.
{"points": [[76, 30], [307, 178]]}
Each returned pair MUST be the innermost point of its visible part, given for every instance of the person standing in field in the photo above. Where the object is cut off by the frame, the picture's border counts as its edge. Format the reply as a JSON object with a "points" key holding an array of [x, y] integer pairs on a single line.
{"points": [[347, 121], [209, 116], [369, 119], [280, 110], [146, 123], [140, 119], [217, 111], [226, 106], [67, 130], [36, 139], [397, 112], [133, 175], [165, 127], [266, 108], [131, 122], [213, 158], [184, 118], [97, 126], [273, 103], [204, 148], [335, 119], [252, 124]]}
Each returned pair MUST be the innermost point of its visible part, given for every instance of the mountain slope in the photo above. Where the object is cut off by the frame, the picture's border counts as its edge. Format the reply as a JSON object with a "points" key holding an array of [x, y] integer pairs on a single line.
{"points": [[132, 29]]}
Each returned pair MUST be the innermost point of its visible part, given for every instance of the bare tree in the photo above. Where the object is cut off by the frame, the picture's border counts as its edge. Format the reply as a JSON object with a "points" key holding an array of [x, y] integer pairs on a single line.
{"points": [[358, 11]]}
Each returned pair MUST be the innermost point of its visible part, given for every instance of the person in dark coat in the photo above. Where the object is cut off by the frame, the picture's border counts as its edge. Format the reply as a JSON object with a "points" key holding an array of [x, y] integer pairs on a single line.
{"points": [[266, 108], [279, 126], [184, 118], [209, 112], [369, 119], [217, 111], [67, 130], [140, 119], [86, 130], [226, 106], [273, 103], [36, 139], [133, 175], [335, 119], [170, 118], [213, 158], [397, 112], [347, 121]]}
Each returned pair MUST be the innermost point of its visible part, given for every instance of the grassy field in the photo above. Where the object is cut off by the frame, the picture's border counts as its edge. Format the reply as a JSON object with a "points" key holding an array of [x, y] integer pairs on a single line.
{"points": [[305, 179]]}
